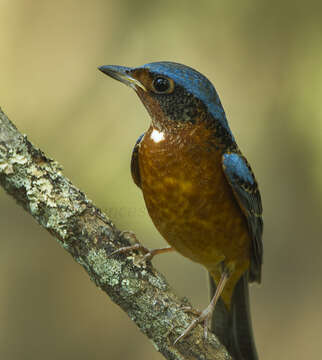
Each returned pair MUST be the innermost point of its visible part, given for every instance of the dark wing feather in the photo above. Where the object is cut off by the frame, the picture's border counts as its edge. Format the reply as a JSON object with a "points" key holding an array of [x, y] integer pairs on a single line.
{"points": [[135, 169], [244, 186]]}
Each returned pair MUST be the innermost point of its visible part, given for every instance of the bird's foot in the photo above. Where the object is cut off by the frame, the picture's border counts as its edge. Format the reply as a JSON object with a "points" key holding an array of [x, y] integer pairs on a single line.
{"points": [[204, 317], [148, 253], [191, 310]]}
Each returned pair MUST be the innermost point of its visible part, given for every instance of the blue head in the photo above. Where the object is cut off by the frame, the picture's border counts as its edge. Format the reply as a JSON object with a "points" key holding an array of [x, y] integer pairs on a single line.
{"points": [[180, 90]]}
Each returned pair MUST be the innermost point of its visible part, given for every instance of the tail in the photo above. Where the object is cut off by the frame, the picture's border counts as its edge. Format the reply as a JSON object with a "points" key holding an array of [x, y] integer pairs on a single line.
{"points": [[233, 327]]}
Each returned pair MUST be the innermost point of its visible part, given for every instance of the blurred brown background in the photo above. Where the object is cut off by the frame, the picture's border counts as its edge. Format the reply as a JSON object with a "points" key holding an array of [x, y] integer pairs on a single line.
{"points": [[264, 59]]}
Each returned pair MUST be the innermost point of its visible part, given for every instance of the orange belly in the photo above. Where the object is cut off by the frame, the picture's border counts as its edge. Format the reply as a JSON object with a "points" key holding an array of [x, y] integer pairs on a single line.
{"points": [[190, 201]]}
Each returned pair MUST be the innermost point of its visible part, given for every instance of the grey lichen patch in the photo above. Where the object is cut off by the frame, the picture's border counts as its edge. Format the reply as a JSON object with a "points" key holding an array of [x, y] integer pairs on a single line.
{"points": [[19, 158], [10, 158], [155, 345], [36, 171], [50, 197], [172, 353], [65, 246], [130, 287], [107, 269], [6, 168], [138, 260], [3, 150], [158, 282], [83, 263], [144, 273], [41, 191], [158, 322]]}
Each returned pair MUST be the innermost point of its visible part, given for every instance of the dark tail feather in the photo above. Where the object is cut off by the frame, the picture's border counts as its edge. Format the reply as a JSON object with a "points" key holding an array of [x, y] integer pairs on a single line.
{"points": [[234, 328]]}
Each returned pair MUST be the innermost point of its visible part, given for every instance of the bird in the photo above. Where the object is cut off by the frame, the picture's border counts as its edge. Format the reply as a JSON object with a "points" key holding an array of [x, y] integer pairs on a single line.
{"points": [[200, 192]]}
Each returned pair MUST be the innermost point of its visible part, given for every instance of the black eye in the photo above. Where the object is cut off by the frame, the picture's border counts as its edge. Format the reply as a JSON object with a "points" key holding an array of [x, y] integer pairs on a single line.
{"points": [[161, 85]]}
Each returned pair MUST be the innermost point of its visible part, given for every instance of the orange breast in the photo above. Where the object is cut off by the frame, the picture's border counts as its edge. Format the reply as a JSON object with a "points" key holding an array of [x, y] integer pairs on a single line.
{"points": [[189, 199]]}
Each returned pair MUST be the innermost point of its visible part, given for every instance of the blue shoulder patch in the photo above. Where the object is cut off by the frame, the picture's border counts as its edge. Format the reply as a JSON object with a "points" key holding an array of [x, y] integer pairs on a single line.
{"points": [[195, 83], [139, 139], [235, 165]]}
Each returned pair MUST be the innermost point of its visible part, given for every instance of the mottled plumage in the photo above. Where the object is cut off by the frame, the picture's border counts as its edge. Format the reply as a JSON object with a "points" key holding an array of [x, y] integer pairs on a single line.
{"points": [[199, 189]]}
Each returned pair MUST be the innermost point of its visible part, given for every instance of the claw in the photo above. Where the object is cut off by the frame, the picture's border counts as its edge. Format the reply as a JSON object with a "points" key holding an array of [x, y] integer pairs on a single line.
{"points": [[206, 315], [191, 310], [148, 254], [126, 249], [203, 317]]}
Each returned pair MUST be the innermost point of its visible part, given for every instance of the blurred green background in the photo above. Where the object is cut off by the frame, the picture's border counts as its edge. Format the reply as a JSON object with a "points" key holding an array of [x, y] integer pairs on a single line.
{"points": [[264, 59]]}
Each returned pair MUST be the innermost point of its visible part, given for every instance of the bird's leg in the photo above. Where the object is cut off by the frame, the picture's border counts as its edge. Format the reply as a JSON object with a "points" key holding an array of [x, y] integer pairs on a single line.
{"points": [[206, 315], [148, 253]]}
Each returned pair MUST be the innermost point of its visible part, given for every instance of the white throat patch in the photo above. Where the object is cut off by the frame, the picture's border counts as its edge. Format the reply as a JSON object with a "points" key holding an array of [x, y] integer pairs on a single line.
{"points": [[157, 136]]}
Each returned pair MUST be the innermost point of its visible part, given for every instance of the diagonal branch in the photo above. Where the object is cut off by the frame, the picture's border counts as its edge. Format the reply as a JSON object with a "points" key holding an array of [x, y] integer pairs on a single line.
{"points": [[37, 183]]}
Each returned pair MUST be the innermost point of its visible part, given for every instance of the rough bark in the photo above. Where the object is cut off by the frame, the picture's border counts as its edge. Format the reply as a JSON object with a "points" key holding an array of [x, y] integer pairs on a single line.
{"points": [[37, 183]]}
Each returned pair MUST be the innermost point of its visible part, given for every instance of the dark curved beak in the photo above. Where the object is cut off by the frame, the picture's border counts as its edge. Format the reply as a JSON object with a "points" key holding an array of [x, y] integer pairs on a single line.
{"points": [[122, 74]]}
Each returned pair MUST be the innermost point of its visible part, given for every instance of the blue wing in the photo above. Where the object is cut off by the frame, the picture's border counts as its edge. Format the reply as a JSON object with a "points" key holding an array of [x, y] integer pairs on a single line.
{"points": [[244, 186], [135, 169]]}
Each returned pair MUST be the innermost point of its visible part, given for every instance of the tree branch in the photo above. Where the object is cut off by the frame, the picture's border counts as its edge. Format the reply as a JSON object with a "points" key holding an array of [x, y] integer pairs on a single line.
{"points": [[37, 183]]}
